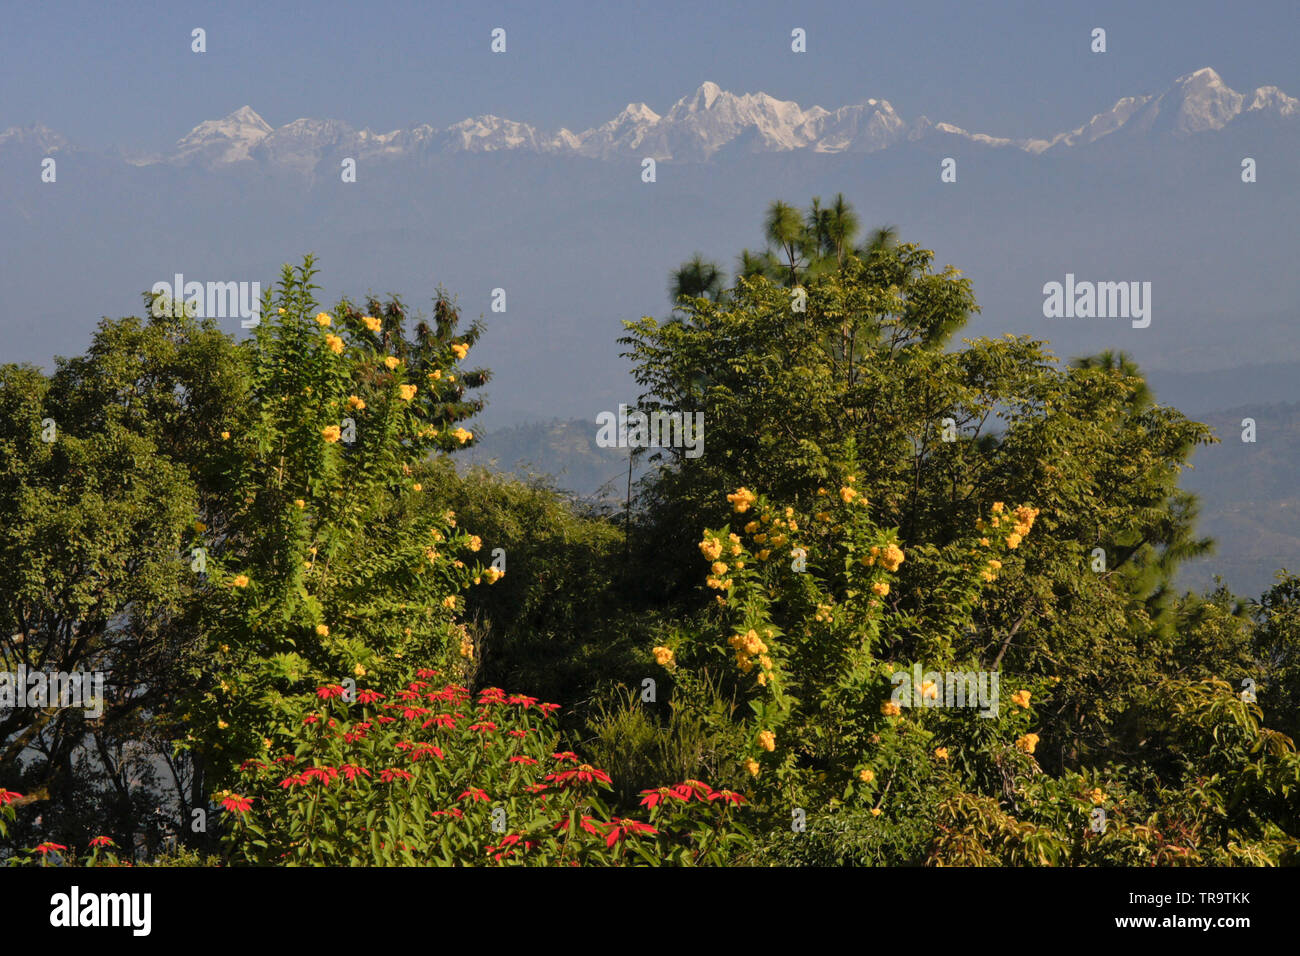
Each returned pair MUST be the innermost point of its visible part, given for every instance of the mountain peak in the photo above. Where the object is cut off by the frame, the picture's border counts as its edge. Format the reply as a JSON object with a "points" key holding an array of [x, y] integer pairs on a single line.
{"points": [[247, 116]]}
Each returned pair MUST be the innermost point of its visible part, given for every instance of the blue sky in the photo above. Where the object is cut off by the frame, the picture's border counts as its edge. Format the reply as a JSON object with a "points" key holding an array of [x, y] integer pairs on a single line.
{"points": [[123, 74]]}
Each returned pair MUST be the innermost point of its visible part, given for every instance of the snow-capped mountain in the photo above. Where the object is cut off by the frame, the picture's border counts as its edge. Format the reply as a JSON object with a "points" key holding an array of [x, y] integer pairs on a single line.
{"points": [[696, 128]]}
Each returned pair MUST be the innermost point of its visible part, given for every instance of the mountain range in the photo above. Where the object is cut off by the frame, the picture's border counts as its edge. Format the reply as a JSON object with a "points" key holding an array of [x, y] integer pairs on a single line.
{"points": [[696, 128]]}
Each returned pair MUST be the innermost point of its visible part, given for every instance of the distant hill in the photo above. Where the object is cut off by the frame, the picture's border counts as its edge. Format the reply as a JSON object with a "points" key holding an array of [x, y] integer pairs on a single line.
{"points": [[566, 451]]}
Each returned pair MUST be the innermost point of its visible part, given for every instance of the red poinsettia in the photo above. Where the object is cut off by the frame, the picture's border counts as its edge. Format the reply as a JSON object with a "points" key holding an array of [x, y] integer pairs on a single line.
{"points": [[727, 795], [521, 758], [693, 788], [45, 848], [620, 829], [237, 804], [351, 770], [387, 776], [583, 774], [474, 793], [652, 798], [102, 841], [369, 697], [332, 690], [8, 796]]}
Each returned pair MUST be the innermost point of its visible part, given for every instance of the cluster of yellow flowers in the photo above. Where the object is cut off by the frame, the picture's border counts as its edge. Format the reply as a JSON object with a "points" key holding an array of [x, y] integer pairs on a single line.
{"points": [[1027, 743], [742, 500], [1097, 795], [323, 319], [371, 322], [866, 775], [890, 557], [664, 657], [824, 614], [752, 766], [407, 392], [460, 350], [890, 709], [493, 575], [767, 740], [1020, 698], [356, 404], [331, 433], [748, 646], [335, 343], [461, 435]]}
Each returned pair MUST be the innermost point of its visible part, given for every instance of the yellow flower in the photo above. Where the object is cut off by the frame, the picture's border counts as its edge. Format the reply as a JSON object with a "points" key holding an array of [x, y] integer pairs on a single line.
{"points": [[711, 548], [1020, 698], [988, 576], [435, 375], [356, 403], [281, 311], [323, 318], [225, 436], [322, 630], [417, 487], [475, 542], [892, 557], [466, 647], [493, 575], [880, 588], [222, 725], [1097, 795], [764, 554], [752, 527], [767, 740], [736, 546], [299, 503], [890, 709], [994, 564], [718, 568], [752, 766], [406, 391], [200, 526], [663, 656], [984, 542], [332, 433], [875, 811], [335, 343], [847, 494], [449, 601], [1027, 743], [392, 362], [997, 507], [741, 500], [929, 690], [460, 350], [359, 671], [762, 679], [866, 775], [1013, 540], [371, 322], [241, 581], [461, 435], [941, 753]]}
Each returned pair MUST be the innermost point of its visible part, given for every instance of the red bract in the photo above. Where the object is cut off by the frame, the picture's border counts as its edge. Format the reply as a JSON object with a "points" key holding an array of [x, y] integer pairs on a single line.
{"points": [[101, 841], [474, 793], [388, 720], [483, 727], [333, 690], [727, 795], [548, 709], [45, 848], [521, 700], [408, 695], [310, 719], [387, 776], [426, 750], [417, 685], [620, 829], [351, 770], [446, 721], [287, 758], [323, 774], [353, 736], [252, 763], [564, 755], [517, 733], [369, 697], [237, 804], [583, 774], [652, 798], [410, 713], [426, 672], [8, 796], [522, 759], [692, 788], [454, 811], [288, 782], [590, 824]]}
